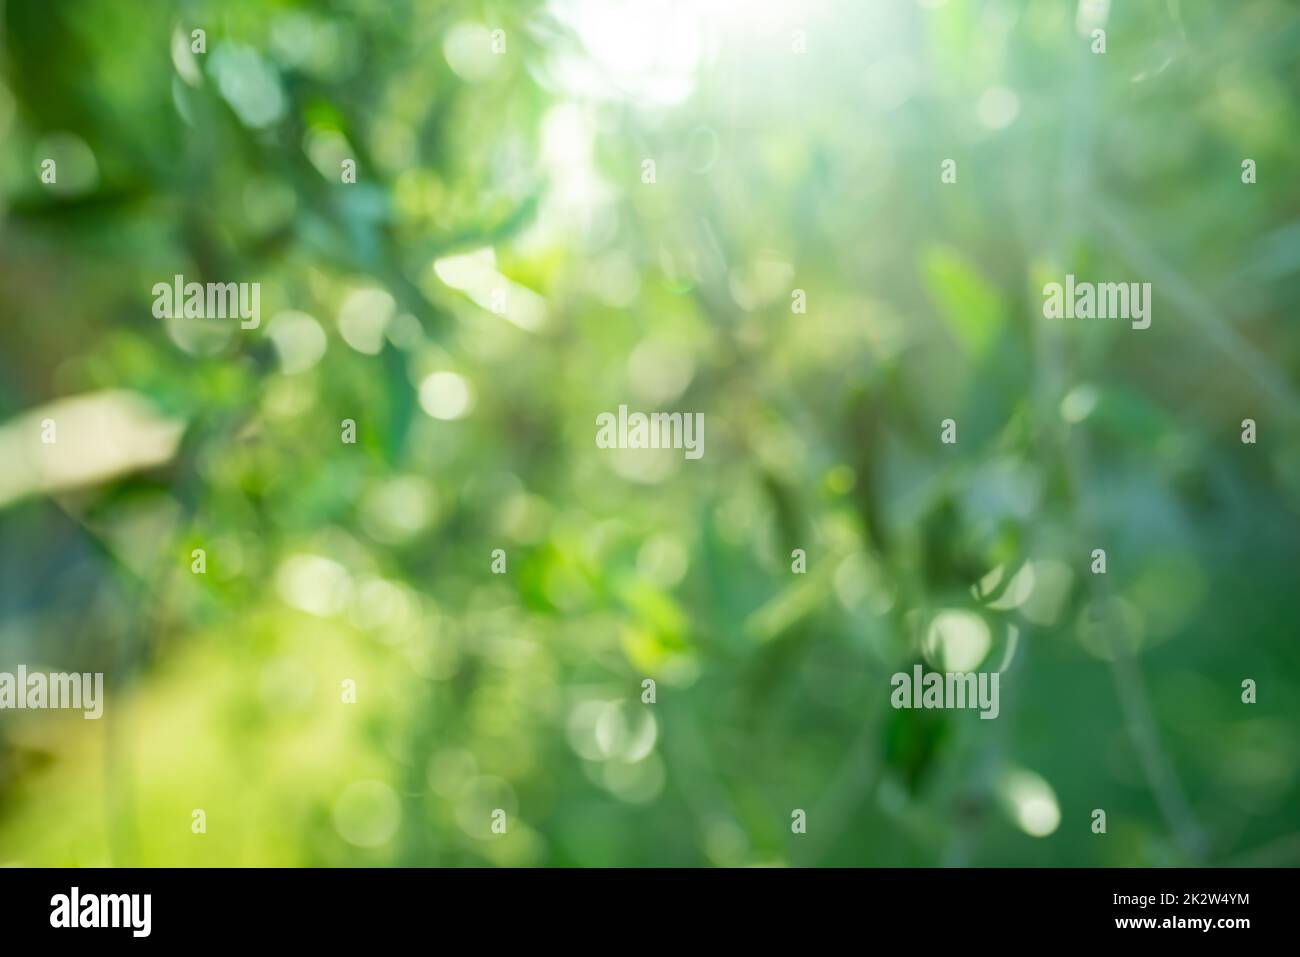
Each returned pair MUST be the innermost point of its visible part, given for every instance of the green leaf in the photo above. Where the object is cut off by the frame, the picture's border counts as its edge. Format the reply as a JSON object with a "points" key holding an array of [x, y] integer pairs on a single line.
{"points": [[970, 305]]}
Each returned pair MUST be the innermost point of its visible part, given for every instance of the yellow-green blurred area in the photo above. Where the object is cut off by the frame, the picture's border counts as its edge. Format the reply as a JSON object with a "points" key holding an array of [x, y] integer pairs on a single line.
{"points": [[503, 270]]}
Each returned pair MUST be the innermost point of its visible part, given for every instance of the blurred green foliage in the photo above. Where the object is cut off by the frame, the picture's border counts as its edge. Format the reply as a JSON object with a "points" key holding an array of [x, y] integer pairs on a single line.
{"points": [[520, 173]]}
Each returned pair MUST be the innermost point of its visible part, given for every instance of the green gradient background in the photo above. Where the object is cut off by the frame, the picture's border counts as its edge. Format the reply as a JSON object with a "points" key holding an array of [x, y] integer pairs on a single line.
{"points": [[775, 171]]}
